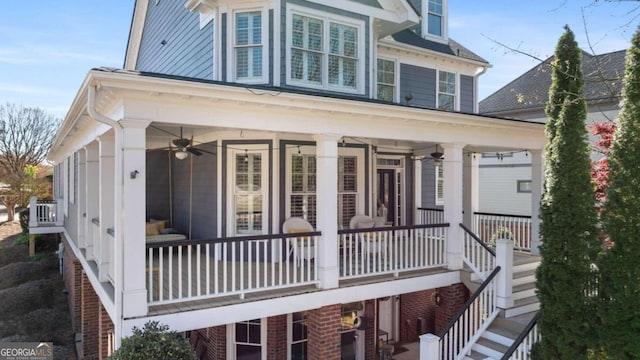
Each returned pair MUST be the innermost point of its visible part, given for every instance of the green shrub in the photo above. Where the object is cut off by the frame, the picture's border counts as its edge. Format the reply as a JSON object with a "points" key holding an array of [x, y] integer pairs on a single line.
{"points": [[154, 341]]}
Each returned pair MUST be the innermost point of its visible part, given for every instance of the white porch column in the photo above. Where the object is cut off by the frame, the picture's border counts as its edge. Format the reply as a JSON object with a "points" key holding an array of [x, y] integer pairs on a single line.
{"points": [[326, 208], [504, 280], [429, 347], [92, 205], [417, 190], [104, 244], [537, 180], [471, 180], [130, 239], [81, 199], [452, 195]]}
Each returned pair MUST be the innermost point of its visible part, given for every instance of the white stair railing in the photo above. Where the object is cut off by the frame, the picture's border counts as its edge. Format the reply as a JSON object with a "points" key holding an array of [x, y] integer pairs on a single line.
{"points": [[521, 347], [479, 257], [474, 317]]}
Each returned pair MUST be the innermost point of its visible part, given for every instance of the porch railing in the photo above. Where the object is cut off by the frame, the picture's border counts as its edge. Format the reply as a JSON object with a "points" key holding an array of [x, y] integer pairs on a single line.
{"points": [[479, 257], [198, 269], [45, 212], [431, 215], [491, 226], [469, 323], [384, 250]]}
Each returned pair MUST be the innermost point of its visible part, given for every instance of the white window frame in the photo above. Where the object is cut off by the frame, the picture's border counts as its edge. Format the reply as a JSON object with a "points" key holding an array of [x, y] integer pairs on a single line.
{"points": [[439, 183], [360, 195], [290, 335], [519, 186], [231, 49], [291, 151], [231, 339], [444, 17], [396, 70], [231, 181], [326, 19], [456, 94]]}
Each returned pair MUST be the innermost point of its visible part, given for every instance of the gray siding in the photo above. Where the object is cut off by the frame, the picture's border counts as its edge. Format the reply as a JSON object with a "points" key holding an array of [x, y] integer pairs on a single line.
{"points": [[194, 194], [223, 47], [420, 83], [187, 50], [428, 184], [364, 39], [157, 183], [467, 98]]}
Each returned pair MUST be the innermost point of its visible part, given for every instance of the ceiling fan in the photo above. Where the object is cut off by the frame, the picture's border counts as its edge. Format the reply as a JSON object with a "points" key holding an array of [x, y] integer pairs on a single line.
{"points": [[185, 146]]}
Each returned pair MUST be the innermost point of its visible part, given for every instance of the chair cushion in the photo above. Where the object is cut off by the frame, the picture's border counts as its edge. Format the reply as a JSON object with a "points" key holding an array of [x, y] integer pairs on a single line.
{"points": [[297, 231], [365, 224]]}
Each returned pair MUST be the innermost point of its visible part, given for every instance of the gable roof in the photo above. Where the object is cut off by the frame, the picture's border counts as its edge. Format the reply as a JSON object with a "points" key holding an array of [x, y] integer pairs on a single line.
{"points": [[530, 91], [453, 48]]}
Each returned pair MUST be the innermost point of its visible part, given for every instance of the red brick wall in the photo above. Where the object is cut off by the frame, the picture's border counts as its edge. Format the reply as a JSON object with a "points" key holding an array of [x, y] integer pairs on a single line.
{"points": [[90, 322], [370, 343], [453, 297], [277, 337], [73, 279], [419, 304], [323, 333], [210, 343], [105, 328]]}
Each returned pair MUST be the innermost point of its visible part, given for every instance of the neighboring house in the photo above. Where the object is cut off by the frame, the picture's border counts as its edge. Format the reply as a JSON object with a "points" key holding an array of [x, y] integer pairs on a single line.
{"points": [[505, 176], [177, 176]]}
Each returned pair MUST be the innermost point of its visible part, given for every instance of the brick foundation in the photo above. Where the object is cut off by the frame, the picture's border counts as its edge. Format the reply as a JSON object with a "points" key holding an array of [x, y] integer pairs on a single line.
{"points": [[323, 333], [453, 297], [277, 337], [414, 306], [73, 280], [210, 343], [105, 330], [90, 304]]}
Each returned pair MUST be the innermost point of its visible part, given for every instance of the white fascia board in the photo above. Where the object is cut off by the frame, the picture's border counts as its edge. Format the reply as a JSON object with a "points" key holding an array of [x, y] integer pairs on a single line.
{"points": [[196, 319], [135, 34], [418, 50], [388, 14]]}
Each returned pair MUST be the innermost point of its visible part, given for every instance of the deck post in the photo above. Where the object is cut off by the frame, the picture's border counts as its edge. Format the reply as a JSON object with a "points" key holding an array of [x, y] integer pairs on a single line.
{"points": [[33, 211], [452, 194], [504, 280], [326, 205], [91, 200], [103, 245], [32, 244], [471, 192], [429, 347], [130, 240]]}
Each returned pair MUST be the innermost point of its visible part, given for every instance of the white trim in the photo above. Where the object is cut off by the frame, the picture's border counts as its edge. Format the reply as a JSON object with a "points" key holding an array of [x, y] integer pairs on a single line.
{"points": [[456, 104], [231, 43], [264, 180], [72, 177], [327, 19], [135, 35], [437, 178], [276, 61], [65, 185], [396, 77], [290, 335], [231, 339]]}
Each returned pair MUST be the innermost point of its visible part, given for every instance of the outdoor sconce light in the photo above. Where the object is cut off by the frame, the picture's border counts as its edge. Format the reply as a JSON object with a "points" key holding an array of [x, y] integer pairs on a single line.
{"points": [[437, 157]]}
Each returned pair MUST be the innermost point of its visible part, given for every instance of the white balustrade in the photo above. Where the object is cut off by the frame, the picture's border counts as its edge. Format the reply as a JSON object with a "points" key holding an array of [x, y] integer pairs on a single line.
{"points": [[490, 227], [523, 350], [376, 251], [190, 270], [477, 255], [431, 216]]}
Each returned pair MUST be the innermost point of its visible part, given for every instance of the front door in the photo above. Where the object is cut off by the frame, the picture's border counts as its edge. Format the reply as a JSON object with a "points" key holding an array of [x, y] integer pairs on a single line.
{"points": [[385, 199]]}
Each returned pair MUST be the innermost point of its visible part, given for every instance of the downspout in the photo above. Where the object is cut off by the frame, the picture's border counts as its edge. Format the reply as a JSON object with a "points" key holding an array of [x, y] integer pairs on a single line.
{"points": [[476, 103], [119, 181]]}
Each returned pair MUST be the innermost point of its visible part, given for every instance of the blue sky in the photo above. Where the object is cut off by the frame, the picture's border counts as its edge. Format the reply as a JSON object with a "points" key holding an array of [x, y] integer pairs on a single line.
{"points": [[47, 47]]}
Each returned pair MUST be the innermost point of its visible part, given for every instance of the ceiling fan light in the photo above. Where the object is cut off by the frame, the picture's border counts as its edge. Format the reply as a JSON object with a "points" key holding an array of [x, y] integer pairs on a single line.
{"points": [[181, 155]]}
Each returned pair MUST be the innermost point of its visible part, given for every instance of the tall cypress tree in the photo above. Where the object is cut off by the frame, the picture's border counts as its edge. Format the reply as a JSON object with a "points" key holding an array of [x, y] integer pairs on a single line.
{"points": [[568, 214], [620, 267]]}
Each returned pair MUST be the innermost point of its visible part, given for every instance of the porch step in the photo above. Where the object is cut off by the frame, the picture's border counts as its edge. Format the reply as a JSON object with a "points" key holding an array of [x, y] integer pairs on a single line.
{"points": [[522, 306], [474, 355], [489, 348], [496, 340], [524, 277], [530, 264], [524, 290]]}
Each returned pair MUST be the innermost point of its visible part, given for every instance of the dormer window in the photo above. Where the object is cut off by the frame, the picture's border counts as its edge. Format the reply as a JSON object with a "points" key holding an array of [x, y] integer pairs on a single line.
{"points": [[249, 54], [324, 51], [435, 19]]}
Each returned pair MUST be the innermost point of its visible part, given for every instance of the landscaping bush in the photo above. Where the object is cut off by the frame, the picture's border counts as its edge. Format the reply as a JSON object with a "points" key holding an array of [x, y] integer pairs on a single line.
{"points": [[23, 216], [24, 298], [13, 254], [154, 341], [17, 273]]}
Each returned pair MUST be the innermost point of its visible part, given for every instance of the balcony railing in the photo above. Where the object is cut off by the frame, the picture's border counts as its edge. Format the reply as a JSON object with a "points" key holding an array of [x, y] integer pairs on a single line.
{"points": [[198, 269], [384, 250], [490, 226], [45, 213]]}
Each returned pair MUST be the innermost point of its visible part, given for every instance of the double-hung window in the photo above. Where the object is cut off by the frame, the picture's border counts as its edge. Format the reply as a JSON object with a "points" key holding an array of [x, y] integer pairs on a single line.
{"points": [[386, 75], [347, 189], [303, 187], [435, 16], [248, 46], [324, 52], [446, 90]]}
